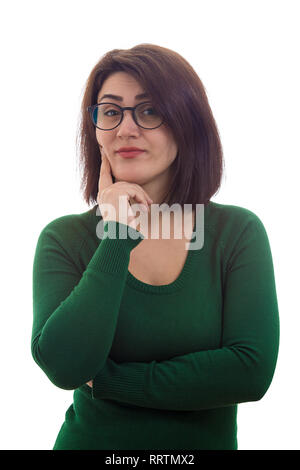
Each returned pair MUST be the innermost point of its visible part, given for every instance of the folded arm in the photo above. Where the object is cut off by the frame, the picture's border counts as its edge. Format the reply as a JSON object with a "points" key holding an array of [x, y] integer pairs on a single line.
{"points": [[240, 371]]}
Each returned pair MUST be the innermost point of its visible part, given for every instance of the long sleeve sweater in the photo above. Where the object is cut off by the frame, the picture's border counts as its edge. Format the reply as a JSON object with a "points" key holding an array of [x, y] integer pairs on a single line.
{"points": [[169, 363]]}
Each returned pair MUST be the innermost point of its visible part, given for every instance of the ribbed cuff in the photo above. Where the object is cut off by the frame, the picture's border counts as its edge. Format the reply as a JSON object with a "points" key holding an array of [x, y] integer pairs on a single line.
{"points": [[121, 382], [114, 250]]}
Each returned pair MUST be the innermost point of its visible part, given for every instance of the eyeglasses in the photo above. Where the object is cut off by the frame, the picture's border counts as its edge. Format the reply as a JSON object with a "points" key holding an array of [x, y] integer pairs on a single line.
{"points": [[108, 116]]}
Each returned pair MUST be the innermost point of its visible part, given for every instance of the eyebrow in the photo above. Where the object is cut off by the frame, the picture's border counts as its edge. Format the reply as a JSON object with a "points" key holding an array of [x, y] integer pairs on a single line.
{"points": [[120, 98]]}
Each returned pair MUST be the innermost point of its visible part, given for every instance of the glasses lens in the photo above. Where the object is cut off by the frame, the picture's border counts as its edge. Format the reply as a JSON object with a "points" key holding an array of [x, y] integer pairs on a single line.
{"points": [[147, 116], [107, 116]]}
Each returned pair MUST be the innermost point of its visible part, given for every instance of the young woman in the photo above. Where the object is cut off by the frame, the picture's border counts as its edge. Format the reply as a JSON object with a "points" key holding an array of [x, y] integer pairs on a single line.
{"points": [[160, 340]]}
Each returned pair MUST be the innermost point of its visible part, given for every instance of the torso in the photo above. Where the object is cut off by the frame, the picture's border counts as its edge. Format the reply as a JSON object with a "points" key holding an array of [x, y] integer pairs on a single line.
{"points": [[159, 261]]}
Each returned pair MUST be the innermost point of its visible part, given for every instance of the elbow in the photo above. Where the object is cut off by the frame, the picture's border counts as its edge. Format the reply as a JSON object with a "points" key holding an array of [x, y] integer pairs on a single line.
{"points": [[258, 392], [64, 374], [259, 383], [258, 371], [63, 383], [60, 380]]}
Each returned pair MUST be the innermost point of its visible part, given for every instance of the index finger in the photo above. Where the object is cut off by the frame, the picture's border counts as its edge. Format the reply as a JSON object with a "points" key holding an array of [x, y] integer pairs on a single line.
{"points": [[105, 177]]}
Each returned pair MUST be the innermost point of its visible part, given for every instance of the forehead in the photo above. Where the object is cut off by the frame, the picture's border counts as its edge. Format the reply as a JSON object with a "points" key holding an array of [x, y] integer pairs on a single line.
{"points": [[122, 84]]}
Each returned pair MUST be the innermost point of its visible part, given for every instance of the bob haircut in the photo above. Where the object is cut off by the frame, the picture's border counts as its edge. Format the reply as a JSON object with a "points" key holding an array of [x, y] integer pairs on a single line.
{"points": [[179, 96]]}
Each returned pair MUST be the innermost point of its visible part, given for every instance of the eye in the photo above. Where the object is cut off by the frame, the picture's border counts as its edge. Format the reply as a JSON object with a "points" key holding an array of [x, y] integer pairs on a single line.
{"points": [[111, 111], [153, 111], [148, 110]]}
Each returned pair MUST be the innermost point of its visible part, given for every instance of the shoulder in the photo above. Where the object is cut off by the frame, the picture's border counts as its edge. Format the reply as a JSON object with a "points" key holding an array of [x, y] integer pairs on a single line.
{"points": [[229, 212], [69, 230], [232, 226], [230, 217]]}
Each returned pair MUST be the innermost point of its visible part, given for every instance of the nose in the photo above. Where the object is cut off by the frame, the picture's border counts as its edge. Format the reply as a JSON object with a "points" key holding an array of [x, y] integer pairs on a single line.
{"points": [[128, 126]]}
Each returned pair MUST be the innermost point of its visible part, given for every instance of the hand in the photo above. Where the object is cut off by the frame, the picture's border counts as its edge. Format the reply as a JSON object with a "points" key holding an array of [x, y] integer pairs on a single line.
{"points": [[109, 194], [90, 383]]}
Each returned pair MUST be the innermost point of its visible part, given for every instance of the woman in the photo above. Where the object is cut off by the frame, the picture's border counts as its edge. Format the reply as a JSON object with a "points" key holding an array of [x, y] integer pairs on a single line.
{"points": [[160, 343]]}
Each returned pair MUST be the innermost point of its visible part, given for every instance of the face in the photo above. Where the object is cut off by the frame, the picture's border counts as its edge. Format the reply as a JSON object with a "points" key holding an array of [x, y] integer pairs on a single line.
{"points": [[151, 169]]}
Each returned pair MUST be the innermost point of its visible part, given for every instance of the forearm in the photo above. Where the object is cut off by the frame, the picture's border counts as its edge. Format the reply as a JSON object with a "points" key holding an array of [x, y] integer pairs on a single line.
{"points": [[196, 381]]}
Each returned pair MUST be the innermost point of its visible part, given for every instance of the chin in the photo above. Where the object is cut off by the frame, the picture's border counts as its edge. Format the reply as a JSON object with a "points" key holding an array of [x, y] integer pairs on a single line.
{"points": [[130, 177]]}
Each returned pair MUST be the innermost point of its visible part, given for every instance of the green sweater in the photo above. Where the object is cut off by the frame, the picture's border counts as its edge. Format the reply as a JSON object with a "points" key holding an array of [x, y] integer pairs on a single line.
{"points": [[169, 363]]}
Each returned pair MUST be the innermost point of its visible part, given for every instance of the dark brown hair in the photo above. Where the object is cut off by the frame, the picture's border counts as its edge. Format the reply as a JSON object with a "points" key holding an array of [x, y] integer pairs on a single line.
{"points": [[178, 94]]}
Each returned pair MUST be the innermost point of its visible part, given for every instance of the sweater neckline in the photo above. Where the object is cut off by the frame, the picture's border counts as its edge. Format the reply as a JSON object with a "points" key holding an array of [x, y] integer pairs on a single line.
{"points": [[181, 280]]}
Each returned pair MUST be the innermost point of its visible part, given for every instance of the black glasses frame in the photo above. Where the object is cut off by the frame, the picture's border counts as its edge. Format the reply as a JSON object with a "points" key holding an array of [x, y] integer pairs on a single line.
{"points": [[90, 109]]}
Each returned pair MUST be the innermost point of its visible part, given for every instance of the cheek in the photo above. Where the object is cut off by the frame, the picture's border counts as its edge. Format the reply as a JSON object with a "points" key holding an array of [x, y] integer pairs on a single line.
{"points": [[103, 140], [98, 136], [172, 152], [171, 146], [101, 135]]}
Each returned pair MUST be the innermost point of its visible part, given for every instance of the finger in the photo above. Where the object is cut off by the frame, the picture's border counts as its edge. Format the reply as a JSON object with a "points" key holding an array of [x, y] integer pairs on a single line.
{"points": [[105, 177], [148, 198], [139, 197]]}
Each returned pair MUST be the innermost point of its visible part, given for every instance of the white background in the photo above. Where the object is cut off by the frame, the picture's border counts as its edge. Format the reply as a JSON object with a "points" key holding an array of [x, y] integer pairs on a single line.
{"points": [[247, 56]]}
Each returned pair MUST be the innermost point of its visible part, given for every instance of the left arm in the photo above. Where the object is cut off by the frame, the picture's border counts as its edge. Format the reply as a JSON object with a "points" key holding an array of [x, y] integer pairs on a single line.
{"points": [[240, 371]]}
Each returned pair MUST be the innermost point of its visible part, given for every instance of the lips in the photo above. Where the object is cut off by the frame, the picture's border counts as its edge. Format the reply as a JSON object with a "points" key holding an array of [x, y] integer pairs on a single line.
{"points": [[131, 153], [129, 149]]}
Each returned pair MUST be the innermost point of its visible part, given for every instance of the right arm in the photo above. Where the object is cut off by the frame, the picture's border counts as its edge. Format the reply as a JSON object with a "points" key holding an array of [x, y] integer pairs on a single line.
{"points": [[74, 316]]}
